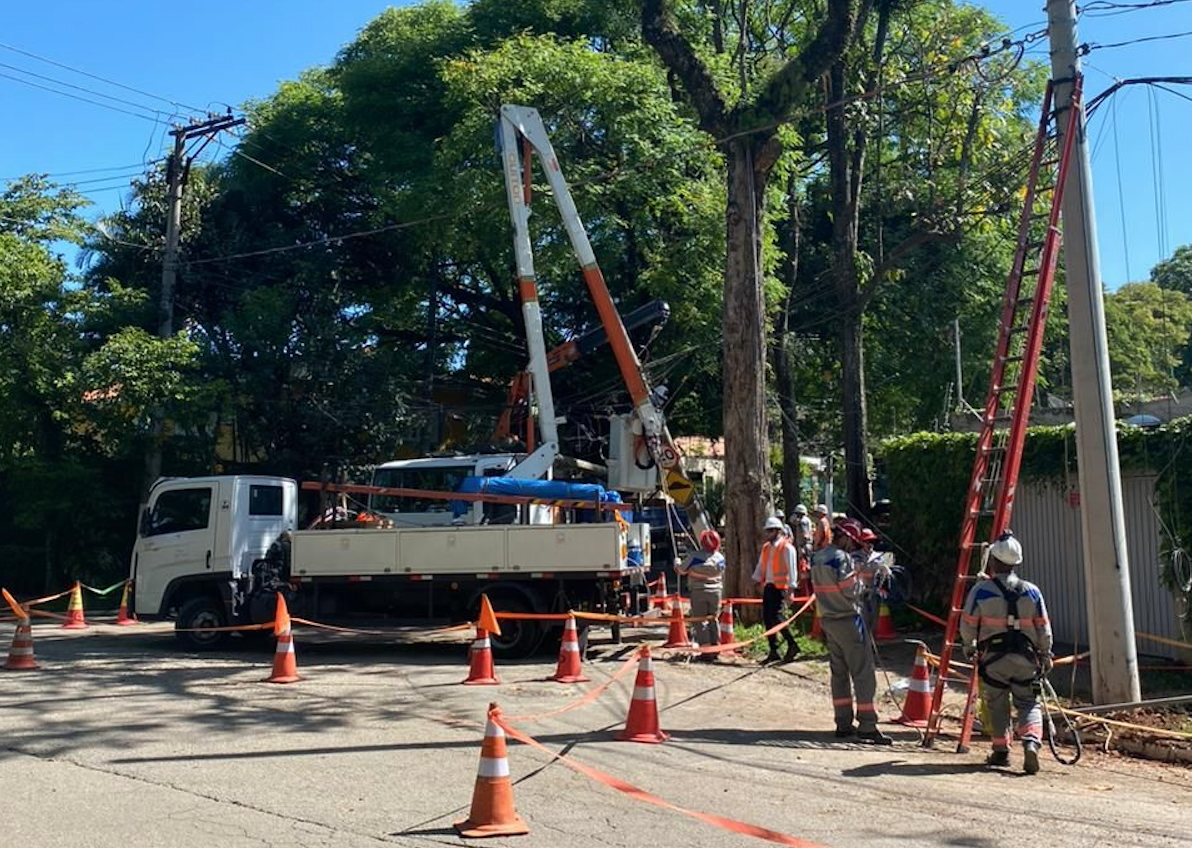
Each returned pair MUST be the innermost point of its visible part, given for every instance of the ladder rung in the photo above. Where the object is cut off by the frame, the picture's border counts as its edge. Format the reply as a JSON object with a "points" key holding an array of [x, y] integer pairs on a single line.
{"points": [[1001, 390], [992, 449], [1012, 359]]}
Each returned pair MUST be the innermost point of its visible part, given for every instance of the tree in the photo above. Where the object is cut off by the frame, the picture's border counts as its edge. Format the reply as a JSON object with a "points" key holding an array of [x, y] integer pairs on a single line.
{"points": [[1148, 329], [1175, 272], [747, 130]]}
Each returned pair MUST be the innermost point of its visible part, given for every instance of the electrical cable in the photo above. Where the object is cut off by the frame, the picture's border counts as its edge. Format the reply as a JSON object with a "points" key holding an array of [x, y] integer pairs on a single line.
{"points": [[112, 82], [143, 117]]}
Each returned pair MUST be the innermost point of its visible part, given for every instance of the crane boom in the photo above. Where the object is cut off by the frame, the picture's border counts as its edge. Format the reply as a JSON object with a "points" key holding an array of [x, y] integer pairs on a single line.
{"points": [[523, 124]]}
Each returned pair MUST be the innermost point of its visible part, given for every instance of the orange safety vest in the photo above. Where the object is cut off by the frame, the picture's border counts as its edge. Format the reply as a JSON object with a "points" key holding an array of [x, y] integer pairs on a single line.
{"points": [[823, 534], [774, 568]]}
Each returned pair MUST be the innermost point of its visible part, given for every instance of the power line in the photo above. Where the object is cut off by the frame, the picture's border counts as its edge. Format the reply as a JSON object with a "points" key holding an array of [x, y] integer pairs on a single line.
{"points": [[112, 82], [1106, 9], [85, 170], [84, 88], [1088, 48], [98, 103]]}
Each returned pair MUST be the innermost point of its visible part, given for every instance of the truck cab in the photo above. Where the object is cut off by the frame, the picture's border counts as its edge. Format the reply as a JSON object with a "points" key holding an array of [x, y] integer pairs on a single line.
{"points": [[199, 535]]}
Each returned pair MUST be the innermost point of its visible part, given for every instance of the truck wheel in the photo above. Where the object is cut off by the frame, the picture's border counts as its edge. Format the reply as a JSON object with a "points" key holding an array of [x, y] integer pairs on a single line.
{"points": [[518, 639], [203, 611]]}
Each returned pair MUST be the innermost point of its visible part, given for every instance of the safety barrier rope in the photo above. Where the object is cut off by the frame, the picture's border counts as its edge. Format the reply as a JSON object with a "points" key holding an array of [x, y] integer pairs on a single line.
{"points": [[106, 591], [733, 646], [722, 822], [588, 697]]}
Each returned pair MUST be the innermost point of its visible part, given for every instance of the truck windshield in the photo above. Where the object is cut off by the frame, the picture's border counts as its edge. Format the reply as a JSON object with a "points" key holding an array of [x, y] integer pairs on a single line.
{"points": [[442, 479]]}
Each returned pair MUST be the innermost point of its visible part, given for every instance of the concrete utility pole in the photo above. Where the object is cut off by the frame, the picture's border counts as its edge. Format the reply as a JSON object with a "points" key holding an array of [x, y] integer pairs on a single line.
{"points": [[1103, 526], [177, 170]]}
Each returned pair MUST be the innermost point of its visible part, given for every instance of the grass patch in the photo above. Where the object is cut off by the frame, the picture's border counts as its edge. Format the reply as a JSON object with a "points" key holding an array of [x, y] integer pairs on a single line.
{"points": [[808, 647]]}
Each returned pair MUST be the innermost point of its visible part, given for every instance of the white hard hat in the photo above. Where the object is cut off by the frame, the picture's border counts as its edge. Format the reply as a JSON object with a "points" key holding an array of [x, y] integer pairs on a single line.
{"points": [[780, 513], [821, 509], [773, 523], [801, 509], [1006, 549]]}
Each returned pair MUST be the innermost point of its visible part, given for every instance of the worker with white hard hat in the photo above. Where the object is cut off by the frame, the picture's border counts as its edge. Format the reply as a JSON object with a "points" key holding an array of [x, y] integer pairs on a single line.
{"points": [[776, 568], [1005, 626], [823, 528]]}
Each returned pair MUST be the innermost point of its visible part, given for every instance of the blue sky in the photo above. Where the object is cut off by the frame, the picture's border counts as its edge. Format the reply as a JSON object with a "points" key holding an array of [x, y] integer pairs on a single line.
{"points": [[222, 53]]}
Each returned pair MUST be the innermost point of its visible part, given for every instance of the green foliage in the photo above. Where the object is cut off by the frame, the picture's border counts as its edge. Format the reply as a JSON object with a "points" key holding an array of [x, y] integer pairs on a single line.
{"points": [[1148, 329], [1175, 272]]}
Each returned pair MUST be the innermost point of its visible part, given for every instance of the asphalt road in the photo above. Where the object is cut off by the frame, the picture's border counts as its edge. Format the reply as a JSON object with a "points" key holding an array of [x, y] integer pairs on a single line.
{"points": [[123, 740]]}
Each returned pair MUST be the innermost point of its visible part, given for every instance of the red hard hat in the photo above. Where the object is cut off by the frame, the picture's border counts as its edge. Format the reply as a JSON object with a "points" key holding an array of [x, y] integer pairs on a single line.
{"points": [[709, 540], [868, 535], [851, 528]]}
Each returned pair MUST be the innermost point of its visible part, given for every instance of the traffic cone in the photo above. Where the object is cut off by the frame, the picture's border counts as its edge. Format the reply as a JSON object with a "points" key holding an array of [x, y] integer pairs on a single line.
{"points": [[916, 710], [20, 657], [676, 637], [725, 624], [569, 669], [74, 610], [661, 598], [492, 812], [480, 668], [123, 617], [884, 630], [285, 661], [641, 725]]}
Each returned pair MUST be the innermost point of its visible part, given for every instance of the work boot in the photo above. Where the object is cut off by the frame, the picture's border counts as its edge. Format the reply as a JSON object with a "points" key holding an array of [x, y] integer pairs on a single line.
{"points": [[846, 732], [772, 657], [1001, 758], [1030, 758], [792, 652], [874, 737]]}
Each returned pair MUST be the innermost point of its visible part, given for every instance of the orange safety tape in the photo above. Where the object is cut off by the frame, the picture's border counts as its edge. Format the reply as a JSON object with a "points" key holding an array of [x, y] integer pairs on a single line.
{"points": [[44, 614], [588, 697], [731, 825], [1162, 640], [231, 628], [732, 646], [452, 628], [933, 618], [48, 598]]}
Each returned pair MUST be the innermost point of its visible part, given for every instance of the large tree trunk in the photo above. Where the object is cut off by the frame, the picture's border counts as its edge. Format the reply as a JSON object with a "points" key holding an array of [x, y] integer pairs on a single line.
{"points": [[746, 441], [845, 169], [784, 357]]}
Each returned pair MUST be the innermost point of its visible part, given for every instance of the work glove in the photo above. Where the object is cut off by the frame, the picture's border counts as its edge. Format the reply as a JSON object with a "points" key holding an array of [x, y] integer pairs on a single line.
{"points": [[1047, 664]]}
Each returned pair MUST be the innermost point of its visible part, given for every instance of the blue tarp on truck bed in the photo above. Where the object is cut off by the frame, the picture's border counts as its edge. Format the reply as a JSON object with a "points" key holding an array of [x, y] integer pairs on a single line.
{"points": [[547, 490]]}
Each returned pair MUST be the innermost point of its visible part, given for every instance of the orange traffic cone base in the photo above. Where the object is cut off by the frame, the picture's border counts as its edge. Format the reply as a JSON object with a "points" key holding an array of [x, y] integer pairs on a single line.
{"points": [[571, 678], [652, 737], [20, 658], [284, 678], [483, 681], [492, 796], [126, 620]]}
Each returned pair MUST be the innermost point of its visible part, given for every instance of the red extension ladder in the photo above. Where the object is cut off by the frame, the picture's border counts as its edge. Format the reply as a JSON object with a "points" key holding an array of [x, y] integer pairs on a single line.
{"points": [[990, 498]]}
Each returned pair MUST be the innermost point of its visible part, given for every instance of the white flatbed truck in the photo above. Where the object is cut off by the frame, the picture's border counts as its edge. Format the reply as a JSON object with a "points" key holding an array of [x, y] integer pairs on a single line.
{"points": [[206, 556]]}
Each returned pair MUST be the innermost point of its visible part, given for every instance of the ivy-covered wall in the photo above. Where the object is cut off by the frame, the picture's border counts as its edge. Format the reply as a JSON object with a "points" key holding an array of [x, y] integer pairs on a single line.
{"points": [[927, 475]]}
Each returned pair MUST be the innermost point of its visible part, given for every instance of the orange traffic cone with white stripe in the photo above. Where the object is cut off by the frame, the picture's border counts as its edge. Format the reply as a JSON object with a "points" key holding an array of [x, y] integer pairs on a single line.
{"points": [[661, 598], [725, 626], [492, 812], [916, 710], [123, 617], [641, 725], [883, 630], [20, 656], [569, 669], [285, 661], [676, 637], [74, 610], [480, 665]]}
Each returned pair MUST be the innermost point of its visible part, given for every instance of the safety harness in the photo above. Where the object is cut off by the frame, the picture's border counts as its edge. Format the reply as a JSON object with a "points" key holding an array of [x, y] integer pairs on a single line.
{"points": [[1012, 641]]}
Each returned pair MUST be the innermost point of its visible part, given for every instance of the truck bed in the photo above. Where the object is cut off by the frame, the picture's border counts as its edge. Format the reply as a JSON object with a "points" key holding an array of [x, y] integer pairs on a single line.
{"points": [[420, 553]]}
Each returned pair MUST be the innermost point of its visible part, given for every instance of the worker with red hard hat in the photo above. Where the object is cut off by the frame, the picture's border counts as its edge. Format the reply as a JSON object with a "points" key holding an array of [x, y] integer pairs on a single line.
{"points": [[704, 570], [836, 583]]}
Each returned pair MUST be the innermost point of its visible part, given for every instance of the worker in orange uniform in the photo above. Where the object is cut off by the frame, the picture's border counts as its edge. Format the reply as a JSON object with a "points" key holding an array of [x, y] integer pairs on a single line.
{"points": [[835, 582], [1006, 629], [776, 567], [823, 529], [704, 571]]}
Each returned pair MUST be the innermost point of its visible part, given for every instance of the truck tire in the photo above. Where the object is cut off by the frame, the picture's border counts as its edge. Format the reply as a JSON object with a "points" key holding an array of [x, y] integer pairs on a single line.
{"points": [[518, 639], [201, 611]]}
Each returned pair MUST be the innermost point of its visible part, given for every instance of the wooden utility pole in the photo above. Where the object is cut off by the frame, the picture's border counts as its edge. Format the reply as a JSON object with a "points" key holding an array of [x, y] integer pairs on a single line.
{"points": [[177, 170], [1103, 524]]}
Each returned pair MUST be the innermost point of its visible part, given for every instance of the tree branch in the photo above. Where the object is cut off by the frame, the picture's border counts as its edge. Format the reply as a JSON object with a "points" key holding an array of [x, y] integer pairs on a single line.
{"points": [[660, 32], [907, 245]]}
